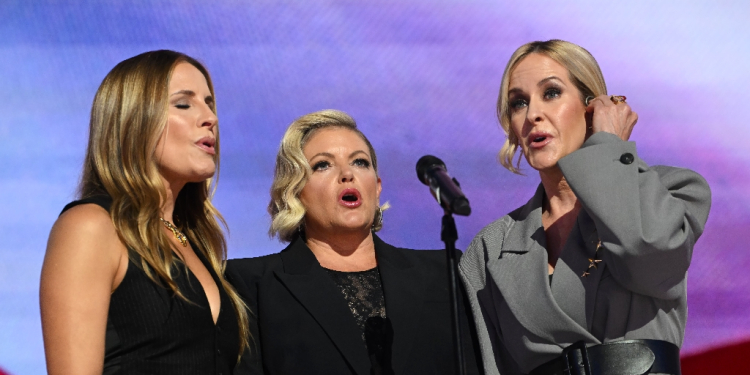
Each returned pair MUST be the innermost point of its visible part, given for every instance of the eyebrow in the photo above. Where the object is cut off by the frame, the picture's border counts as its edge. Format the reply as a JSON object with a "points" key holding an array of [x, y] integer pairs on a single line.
{"points": [[184, 92], [550, 78], [540, 83]]}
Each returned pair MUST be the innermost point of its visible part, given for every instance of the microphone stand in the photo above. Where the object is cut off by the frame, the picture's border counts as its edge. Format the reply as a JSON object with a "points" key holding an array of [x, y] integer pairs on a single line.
{"points": [[449, 235]]}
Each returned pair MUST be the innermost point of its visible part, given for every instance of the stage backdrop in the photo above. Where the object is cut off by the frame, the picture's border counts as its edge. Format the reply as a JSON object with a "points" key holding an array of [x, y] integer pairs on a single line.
{"points": [[419, 76]]}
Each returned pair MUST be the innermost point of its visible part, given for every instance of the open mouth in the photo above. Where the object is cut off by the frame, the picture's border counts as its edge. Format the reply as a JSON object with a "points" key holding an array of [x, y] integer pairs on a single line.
{"points": [[207, 144], [350, 198], [538, 139]]}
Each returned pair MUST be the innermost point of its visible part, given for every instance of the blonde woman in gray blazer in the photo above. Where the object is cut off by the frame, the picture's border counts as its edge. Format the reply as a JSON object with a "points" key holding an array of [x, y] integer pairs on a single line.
{"points": [[589, 276]]}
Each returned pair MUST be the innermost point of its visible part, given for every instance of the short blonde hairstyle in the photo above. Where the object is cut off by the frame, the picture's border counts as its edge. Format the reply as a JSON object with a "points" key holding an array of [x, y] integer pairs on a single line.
{"points": [[583, 71], [292, 171]]}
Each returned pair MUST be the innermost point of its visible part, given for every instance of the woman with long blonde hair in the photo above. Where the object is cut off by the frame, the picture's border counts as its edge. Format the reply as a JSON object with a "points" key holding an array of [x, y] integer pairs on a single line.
{"points": [[132, 280]]}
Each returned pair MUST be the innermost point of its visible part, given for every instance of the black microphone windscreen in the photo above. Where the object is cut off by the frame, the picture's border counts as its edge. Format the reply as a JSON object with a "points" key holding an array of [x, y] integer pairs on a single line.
{"points": [[426, 162]]}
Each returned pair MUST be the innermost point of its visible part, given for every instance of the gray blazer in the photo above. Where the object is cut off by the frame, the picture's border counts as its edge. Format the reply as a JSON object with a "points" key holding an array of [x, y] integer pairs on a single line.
{"points": [[647, 219]]}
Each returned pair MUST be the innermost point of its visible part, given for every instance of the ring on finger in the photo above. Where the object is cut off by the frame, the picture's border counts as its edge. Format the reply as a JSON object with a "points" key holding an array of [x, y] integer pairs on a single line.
{"points": [[617, 99]]}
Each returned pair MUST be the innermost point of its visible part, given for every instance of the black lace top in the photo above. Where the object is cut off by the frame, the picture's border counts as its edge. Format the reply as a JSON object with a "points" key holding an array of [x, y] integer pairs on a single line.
{"points": [[363, 293]]}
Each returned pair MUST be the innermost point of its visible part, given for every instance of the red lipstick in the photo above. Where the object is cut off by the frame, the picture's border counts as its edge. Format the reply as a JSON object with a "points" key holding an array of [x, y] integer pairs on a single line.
{"points": [[350, 198]]}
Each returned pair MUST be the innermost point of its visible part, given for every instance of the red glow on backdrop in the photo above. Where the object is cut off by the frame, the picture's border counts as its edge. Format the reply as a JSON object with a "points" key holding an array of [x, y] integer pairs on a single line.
{"points": [[727, 360]]}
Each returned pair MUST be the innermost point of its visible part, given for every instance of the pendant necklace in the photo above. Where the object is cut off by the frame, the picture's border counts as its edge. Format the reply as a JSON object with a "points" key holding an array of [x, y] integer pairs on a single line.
{"points": [[593, 261]]}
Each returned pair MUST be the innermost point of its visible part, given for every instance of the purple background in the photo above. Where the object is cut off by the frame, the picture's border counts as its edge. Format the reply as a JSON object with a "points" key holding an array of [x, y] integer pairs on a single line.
{"points": [[419, 76]]}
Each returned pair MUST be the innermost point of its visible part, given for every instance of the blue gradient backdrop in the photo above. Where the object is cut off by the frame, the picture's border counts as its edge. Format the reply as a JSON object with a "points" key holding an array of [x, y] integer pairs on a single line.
{"points": [[420, 76]]}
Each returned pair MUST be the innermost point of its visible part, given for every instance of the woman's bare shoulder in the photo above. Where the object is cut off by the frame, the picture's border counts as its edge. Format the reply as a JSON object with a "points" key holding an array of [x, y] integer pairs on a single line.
{"points": [[88, 218], [85, 232]]}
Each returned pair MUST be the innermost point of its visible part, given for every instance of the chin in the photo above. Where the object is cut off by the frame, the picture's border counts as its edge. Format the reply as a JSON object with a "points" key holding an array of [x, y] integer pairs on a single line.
{"points": [[201, 177], [543, 162], [540, 165], [356, 226]]}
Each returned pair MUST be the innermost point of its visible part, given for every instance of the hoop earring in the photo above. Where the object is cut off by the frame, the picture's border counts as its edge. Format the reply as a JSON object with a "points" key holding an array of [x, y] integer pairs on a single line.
{"points": [[378, 218]]}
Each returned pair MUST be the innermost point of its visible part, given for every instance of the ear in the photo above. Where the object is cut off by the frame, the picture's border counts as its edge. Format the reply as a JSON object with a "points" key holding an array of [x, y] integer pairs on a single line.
{"points": [[380, 188], [588, 118]]}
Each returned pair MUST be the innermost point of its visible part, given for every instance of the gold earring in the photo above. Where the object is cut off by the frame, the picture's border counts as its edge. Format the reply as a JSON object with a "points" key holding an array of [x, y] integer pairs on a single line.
{"points": [[378, 218]]}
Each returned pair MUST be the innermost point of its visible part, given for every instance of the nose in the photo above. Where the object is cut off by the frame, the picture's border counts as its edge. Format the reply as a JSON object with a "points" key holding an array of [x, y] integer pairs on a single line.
{"points": [[208, 117], [346, 173], [534, 111]]}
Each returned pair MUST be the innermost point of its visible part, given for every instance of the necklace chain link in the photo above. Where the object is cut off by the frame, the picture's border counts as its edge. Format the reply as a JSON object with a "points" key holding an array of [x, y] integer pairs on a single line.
{"points": [[177, 234]]}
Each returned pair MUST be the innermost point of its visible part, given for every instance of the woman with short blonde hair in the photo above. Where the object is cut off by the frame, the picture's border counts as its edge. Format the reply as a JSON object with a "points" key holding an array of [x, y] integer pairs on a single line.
{"points": [[338, 299], [292, 171]]}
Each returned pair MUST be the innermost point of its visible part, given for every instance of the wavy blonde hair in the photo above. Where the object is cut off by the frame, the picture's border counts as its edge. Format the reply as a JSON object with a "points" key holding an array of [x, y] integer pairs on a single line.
{"points": [[128, 116], [293, 170], [583, 71]]}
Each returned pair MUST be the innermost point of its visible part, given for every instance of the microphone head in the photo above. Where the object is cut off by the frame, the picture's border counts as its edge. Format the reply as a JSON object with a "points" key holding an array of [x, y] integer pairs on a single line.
{"points": [[460, 206], [425, 163]]}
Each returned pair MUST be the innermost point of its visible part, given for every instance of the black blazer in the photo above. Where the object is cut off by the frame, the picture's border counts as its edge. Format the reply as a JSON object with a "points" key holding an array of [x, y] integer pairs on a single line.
{"points": [[301, 323]]}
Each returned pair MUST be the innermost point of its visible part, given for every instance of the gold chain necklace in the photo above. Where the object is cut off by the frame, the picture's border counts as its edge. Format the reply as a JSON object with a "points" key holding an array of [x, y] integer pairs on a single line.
{"points": [[177, 234]]}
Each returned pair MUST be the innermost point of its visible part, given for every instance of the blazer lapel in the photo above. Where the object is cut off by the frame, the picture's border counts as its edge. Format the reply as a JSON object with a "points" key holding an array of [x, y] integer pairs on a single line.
{"points": [[590, 238], [308, 282], [576, 295], [520, 274], [402, 287]]}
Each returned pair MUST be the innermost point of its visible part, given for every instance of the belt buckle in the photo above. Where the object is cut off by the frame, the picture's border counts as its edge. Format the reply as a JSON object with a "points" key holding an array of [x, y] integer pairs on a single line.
{"points": [[575, 364]]}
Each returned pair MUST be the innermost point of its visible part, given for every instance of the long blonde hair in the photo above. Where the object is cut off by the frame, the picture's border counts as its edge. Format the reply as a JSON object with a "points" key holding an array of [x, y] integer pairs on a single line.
{"points": [[128, 116], [293, 170], [583, 71]]}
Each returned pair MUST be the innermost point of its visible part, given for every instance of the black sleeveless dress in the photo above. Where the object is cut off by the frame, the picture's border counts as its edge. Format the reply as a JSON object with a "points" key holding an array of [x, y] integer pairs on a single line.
{"points": [[151, 331]]}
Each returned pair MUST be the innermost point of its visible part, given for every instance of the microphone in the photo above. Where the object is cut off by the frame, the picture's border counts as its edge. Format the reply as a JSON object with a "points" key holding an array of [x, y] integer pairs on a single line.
{"points": [[433, 173]]}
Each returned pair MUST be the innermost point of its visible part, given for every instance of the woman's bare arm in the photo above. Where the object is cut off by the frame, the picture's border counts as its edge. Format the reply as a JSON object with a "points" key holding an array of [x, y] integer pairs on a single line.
{"points": [[84, 263]]}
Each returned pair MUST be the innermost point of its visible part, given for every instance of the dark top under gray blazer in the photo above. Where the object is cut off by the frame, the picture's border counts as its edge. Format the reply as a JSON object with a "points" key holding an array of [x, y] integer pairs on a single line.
{"points": [[301, 323], [647, 218]]}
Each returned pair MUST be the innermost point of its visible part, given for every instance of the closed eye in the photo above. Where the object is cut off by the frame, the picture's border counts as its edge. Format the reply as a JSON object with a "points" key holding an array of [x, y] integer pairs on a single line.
{"points": [[182, 106]]}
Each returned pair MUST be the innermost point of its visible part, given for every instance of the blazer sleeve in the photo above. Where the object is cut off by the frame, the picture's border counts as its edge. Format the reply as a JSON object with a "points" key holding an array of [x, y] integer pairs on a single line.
{"points": [[647, 218], [240, 275]]}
